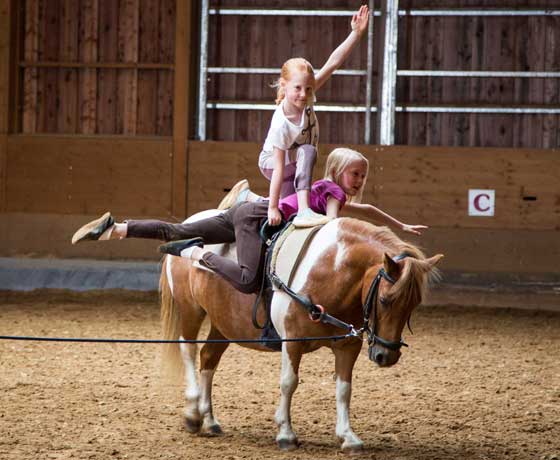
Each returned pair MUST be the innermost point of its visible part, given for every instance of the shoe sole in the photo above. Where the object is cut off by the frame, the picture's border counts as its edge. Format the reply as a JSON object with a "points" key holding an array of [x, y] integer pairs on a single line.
{"points": [[229, 200], [87, 228]]}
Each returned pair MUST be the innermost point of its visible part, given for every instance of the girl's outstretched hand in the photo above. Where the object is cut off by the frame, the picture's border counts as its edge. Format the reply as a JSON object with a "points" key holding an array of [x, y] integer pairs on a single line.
{"points": [[413, 229], [360, 20]]}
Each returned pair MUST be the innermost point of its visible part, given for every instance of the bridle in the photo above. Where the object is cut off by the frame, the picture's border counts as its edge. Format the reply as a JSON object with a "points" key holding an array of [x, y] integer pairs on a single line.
{"points": [[371, 304]]}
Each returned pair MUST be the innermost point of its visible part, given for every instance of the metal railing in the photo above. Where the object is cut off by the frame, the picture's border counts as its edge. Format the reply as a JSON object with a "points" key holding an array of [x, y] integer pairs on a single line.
{"points": [[388, 103], [388, 106], [204, 70]]}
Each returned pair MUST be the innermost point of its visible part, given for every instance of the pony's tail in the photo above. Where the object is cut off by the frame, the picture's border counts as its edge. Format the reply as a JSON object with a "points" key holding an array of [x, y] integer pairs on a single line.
{"points": [[171, 360]]}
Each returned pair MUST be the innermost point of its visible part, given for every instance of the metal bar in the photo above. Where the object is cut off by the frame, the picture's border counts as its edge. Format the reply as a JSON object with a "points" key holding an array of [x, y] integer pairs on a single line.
{"points": [[475, 73], [202, 76], [277, 12], [483, 110], [97, 65], [217, 105], [274, 71], [485, 12], [369, 79], [389, 83]]}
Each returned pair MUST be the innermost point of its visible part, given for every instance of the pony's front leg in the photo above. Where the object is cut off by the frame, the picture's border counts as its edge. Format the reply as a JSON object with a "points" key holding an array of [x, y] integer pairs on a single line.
{"points": [[291, 357], [210, 355], [345, 357]]}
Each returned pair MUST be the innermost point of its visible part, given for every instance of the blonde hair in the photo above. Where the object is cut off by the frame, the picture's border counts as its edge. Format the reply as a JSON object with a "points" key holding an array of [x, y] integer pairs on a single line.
{"points": [[337, 161], [288, 69]]}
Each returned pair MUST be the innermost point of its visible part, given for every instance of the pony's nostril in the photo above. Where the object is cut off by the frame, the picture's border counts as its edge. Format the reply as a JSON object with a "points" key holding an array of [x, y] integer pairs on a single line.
{"points": [[379, 358]]}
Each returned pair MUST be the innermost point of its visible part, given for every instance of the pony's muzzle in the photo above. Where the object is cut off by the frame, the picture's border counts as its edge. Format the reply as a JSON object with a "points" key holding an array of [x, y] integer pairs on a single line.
{"points": [[382, 356]]}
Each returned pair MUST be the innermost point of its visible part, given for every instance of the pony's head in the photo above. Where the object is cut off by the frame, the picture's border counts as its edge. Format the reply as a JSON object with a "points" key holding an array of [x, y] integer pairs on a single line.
{"points": [[391, 291]]}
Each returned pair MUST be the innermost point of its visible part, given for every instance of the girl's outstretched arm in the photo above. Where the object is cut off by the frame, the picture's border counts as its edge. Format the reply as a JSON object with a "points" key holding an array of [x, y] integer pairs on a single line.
{"points": [[333, 207], [371, 213], [338, 56]]}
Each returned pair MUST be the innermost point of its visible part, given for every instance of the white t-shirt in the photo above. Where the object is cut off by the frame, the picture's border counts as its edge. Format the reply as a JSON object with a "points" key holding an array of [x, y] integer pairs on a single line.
{"points": [[288, 136]]}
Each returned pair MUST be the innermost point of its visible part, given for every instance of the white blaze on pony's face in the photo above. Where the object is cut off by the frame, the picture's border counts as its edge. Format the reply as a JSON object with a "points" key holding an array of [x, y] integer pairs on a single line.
{"points": [[396, 301]]}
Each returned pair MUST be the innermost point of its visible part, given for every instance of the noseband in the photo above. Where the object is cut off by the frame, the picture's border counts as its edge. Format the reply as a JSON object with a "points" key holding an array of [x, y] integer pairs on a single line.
{"points": [[371, 304]]}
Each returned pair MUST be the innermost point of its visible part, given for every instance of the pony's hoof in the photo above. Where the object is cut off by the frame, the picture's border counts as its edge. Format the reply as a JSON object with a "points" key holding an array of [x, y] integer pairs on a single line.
{"points": [[192, 426], [213, 430], [288, 444], [353, 448]]}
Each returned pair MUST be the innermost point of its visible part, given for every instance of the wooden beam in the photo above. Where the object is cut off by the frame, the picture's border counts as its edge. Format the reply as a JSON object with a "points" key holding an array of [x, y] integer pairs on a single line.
{"points": [[5, 31], [182, 108], [31, 75], [6, 15], [129, 11], [89, 26], [68, 111]]}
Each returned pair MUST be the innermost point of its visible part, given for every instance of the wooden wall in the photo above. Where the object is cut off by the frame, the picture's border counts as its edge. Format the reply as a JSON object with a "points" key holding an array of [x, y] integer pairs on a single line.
{"points": [[425, 43], [430, 186], [97, 66], [50, 184], [514, 43]]}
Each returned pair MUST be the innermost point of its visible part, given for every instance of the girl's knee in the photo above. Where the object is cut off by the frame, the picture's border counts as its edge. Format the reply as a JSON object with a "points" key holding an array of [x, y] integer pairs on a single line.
{"points": [[308, 151]]}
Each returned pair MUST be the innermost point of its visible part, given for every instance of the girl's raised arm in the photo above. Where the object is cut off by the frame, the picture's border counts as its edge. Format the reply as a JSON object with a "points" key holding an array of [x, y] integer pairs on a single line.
{"points": [[371, 213], [338, 56]]}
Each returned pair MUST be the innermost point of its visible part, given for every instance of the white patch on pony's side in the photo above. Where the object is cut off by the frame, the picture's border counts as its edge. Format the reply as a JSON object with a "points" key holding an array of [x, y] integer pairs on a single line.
{"points": [[340, 255], [324, 239], [169, 273], [226, 250], [278, 310]]}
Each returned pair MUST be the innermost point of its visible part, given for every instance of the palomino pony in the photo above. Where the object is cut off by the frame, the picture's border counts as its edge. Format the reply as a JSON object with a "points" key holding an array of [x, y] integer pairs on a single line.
{"points": [[345, 260]]}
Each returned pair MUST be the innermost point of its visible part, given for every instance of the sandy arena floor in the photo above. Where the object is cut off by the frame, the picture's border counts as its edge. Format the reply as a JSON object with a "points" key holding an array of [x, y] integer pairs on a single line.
{"points": [[474, 384]]}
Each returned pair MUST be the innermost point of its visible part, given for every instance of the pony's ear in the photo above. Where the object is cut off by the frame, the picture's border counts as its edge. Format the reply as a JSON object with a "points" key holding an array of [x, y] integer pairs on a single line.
{"points": [[391, 267], [433, 261]]}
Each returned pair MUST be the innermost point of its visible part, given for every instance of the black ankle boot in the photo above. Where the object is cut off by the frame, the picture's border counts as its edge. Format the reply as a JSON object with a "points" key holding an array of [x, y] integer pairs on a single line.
{"points": [[175, 247]]}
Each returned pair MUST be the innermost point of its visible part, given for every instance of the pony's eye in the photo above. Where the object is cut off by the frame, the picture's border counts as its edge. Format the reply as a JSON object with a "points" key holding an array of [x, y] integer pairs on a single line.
{"points": [[383, 301]]}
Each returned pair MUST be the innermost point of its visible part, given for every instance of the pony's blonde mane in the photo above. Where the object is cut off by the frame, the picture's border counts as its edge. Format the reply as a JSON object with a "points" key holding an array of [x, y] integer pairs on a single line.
{"points": [[413, 282]]}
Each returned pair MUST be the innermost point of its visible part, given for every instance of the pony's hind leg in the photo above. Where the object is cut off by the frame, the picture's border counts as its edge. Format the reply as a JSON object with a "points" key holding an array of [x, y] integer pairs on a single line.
{"points": [[291, 358], [345, 357], [190, 327], [210, 356]]}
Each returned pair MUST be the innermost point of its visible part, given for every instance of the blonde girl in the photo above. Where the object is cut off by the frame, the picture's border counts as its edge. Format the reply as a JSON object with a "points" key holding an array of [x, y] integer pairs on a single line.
{"points": [[349, 169], [290, 149]]}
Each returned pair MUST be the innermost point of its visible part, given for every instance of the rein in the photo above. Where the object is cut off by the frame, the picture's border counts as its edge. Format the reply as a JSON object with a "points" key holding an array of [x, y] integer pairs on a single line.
{"points": [[371, 304], [317, 312]]}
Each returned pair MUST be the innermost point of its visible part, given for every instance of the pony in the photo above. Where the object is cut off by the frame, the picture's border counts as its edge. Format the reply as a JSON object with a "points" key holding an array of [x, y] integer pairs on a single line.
{"points": [[350, 267]]}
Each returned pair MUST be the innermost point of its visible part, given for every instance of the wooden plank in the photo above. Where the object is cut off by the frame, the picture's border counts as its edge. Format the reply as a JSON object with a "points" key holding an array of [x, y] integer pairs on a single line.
{"points": [[5, 41], [128, 52], [551, 136], [182, 108], [164, 123], [31, 53], [466, 250], [148, 51], [67, 113], [49, 94], [89, 25], [85, 175], [108, 107], [419, 185], [6, 15]]}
